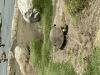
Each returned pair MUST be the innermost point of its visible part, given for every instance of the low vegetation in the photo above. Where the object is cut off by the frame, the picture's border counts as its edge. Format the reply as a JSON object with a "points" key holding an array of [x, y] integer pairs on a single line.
{"points": [[94, 64], [75, 6]]}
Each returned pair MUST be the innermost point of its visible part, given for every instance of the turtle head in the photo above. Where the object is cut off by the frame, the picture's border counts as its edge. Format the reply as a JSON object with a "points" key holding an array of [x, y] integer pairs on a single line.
{"points": [[65, 29], [32, 16]]}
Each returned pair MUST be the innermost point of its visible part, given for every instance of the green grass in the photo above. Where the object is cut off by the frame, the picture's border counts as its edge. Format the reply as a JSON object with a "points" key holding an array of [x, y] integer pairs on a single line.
{"points": [[40, 50], [44, 48], [36, 51], [75, 6], [94, 64], [60, 69]]}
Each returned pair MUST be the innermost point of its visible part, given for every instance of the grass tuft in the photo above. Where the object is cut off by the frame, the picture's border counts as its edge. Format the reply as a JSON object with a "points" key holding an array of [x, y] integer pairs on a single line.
{"points": [[60, 69], [94, 65], [75, 6], [36, 52]]}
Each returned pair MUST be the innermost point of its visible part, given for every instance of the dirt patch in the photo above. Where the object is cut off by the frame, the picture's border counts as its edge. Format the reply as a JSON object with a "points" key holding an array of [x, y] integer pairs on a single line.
{"points": [[27, 31], [25, 34]]}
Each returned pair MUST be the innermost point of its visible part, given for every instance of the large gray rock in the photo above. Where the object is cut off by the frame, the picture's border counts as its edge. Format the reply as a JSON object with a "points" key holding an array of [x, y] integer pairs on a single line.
{"points": [[30, 15]]}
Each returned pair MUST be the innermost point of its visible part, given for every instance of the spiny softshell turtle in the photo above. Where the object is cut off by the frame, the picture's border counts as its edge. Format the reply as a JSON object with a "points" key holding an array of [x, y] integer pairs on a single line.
{"points": [[58, 36]]}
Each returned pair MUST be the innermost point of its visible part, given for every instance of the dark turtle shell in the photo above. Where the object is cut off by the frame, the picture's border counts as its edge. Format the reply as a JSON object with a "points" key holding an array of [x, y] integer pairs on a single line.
{"points": [[56, 37]]}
